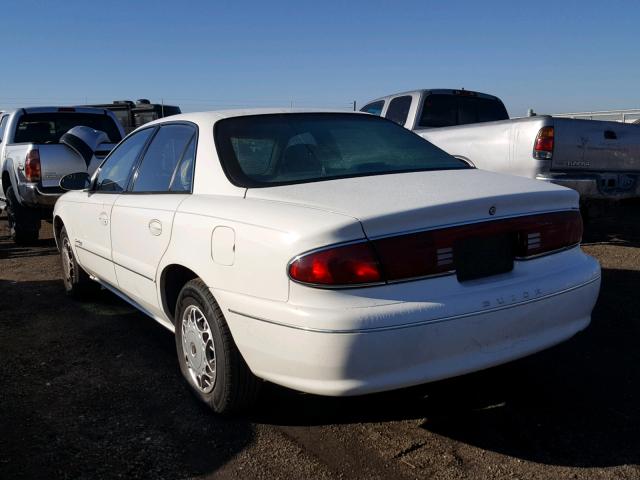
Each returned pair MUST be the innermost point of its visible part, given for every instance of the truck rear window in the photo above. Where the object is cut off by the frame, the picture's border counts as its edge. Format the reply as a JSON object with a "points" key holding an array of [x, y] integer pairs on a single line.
{"points": [[441, 110], [281, 149], [49, 127]]}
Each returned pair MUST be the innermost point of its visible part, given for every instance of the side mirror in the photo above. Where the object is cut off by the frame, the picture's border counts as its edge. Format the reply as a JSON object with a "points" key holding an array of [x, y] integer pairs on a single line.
{"points": [[75, 181]]}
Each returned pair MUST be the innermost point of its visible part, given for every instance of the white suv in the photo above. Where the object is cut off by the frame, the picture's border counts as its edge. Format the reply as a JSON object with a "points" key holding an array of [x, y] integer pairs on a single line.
{"points": [[333, 253]]}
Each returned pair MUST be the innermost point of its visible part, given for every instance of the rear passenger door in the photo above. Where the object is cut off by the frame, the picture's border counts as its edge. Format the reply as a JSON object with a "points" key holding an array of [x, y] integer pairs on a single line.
{"points": [[142, 217]]}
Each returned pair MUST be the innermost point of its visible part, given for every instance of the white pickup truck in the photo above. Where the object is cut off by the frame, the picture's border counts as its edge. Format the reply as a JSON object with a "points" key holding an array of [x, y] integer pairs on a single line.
{"points": [[40, 145], [601, 160]]}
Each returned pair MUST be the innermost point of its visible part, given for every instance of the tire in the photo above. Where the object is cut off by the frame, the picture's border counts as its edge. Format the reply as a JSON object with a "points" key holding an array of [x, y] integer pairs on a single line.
{"points": [[202, 334], [24, 223], [77, 283]]}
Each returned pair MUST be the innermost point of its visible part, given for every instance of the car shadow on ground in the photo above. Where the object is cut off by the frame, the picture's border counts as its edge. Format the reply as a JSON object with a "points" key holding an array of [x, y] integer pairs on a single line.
{"points": [[9, 250], [616, 224], [573, 405], [92, 390]]}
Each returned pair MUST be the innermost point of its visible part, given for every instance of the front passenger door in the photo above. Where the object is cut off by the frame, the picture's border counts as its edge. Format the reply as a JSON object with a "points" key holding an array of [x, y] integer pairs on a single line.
{"points": [[142, 217]]}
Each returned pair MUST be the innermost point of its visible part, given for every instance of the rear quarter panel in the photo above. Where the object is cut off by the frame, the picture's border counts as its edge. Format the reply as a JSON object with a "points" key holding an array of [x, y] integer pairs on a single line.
{"points": [[266, 236], [505, 146]]}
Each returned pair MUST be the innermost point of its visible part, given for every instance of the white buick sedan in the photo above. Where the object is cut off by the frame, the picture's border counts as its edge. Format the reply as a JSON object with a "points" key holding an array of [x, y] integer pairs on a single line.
{"points": [[332, 253]]}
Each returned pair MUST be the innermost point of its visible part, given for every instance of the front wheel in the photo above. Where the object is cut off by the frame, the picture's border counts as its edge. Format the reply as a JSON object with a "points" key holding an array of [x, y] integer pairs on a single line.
{"points": [[208, 357], [76, 281]]}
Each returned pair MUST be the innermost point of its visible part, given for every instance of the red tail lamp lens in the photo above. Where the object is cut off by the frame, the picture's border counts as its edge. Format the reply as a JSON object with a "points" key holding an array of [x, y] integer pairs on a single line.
{"points": [[32, 166], [347, 265], [543, 146], [432, 252]]}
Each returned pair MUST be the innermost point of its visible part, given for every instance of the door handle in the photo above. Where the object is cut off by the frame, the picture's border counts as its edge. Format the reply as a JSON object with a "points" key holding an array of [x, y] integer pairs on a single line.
{"points": [[103, 218], [155, 227]]}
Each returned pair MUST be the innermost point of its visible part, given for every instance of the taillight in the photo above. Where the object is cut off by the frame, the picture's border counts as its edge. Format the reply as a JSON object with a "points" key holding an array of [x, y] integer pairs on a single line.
{"points": [[543, 146], [346, 265], [547, 233], [32, 170], [432, 252]]}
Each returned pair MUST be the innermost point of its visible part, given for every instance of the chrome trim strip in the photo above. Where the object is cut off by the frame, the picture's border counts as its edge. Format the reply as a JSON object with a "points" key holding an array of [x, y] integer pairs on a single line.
{"points": [[415, 324], [115, 263], [471, 222], [130, 301]]}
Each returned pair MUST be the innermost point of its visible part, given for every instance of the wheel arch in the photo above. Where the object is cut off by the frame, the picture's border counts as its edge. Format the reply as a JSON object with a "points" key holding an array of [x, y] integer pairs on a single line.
{"points": [[173, 277], [6, 182], [58, 224]]}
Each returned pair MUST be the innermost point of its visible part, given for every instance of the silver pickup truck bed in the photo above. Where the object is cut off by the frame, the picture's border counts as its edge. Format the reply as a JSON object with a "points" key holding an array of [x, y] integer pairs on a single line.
{"points": [[599, 159]]}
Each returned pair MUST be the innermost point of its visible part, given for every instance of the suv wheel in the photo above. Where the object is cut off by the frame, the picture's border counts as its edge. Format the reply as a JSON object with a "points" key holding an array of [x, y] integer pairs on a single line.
{"points": [[209, 359], [24, 223]]}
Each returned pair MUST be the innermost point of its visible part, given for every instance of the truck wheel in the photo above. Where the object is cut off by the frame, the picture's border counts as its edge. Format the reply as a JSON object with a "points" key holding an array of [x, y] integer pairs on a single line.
{"points": [[208, 357], [77, 283], [24, 223]]}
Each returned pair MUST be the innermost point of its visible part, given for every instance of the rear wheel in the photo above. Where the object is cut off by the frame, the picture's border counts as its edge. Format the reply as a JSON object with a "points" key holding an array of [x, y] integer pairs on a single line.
{"points": [[24, 223], [77, 283], [209, 359]]}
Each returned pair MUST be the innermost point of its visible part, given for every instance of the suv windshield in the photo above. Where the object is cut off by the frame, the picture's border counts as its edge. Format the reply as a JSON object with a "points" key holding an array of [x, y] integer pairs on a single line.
{"points": [[278, 149], [49, 127]]}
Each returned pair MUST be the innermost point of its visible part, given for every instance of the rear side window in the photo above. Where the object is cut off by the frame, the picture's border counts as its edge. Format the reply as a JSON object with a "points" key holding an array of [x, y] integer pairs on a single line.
{"points": [[49, 127], [182, 180], [399, 109], [158, 167], [374, 108], [440, 110], [113, 175]]}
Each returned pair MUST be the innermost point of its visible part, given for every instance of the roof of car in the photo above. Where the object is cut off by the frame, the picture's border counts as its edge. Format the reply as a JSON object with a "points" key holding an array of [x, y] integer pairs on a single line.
{"points": [[214, 116]]}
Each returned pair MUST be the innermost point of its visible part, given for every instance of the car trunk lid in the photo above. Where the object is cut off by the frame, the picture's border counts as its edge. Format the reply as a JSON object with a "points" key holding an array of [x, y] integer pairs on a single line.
{"points": [[398, 203]]}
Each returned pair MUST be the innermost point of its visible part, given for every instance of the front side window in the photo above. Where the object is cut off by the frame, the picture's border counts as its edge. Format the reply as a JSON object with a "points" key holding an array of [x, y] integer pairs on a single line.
{"points": [[399, 109], [374, 108], [161, 159], [114, 174], [277, 149]]}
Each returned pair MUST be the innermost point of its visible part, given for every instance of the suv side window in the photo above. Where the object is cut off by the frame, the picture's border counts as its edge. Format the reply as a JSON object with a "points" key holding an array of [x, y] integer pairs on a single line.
{"points": [[157, 170], [399, 109], [114, 174], [3, 124], [374, 108]]}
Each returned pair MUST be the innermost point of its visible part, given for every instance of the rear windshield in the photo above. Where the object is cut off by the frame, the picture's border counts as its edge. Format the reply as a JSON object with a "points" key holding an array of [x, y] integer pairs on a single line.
{"points": [[440, 110], [267, 150], [49, 127]]}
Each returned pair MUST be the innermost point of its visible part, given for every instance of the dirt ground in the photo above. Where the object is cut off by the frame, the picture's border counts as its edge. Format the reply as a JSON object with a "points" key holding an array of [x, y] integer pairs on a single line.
{"points": [[93, 390]]}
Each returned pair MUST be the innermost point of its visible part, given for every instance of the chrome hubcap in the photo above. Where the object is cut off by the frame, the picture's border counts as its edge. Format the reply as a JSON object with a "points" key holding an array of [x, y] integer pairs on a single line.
{"points": [[198, 350], [67, 263]]}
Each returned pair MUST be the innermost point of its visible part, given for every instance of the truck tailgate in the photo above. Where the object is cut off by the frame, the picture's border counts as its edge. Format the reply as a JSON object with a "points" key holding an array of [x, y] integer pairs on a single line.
{"points": [[56, 161], [593, 145]]}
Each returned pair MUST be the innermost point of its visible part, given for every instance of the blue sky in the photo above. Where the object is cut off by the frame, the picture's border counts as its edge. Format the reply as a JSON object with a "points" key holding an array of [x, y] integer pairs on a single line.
{"points": [[553, 56]]}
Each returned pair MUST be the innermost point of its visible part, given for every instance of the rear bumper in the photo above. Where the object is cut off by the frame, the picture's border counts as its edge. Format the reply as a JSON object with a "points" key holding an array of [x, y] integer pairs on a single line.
{"points": [[34, 196], [339, 350], [597, 186]]}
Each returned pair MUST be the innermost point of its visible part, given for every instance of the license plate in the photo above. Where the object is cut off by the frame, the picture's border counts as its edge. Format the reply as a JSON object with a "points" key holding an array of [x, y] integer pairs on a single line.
{"points": [[483, 256]]}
